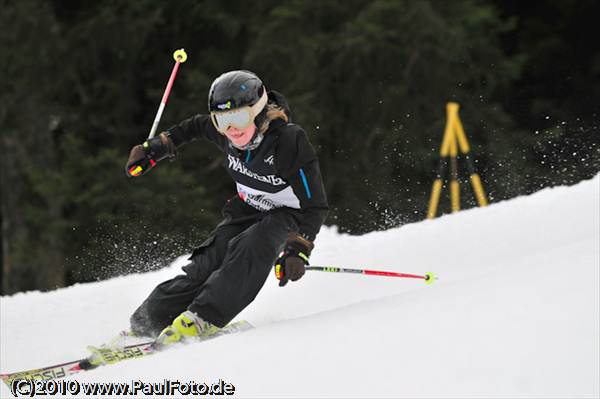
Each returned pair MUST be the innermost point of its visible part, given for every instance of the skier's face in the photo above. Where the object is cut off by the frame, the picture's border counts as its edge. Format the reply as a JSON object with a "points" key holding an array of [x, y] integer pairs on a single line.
{"points": [[240, 137]]}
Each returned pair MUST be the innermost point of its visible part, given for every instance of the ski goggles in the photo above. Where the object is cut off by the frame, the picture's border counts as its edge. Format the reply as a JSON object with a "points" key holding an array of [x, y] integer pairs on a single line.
{"points": [[239, 118]]}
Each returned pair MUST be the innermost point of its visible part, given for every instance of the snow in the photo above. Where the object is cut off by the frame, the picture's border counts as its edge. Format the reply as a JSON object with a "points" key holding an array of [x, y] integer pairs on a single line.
{"points": [[515, 313]]}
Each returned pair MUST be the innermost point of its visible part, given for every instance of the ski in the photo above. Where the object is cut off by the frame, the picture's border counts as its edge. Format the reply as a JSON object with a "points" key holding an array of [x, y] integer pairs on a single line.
{"points": [[105, 355]]}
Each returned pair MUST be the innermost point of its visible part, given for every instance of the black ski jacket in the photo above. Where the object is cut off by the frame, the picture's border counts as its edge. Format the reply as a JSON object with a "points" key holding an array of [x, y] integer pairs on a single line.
{"points": [[281, 173]]}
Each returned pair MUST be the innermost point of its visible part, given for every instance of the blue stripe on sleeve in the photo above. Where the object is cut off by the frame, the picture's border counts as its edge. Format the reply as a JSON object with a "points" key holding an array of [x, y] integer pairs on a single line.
{"points": [[303, 176]]}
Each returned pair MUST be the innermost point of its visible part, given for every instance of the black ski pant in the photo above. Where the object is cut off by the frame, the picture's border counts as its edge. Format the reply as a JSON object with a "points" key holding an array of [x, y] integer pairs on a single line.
{"points": [[225, 274]]}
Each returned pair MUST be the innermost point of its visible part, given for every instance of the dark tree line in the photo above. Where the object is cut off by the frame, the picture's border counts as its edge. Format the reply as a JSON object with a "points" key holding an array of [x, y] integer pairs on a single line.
{"points": [[368, 80]]}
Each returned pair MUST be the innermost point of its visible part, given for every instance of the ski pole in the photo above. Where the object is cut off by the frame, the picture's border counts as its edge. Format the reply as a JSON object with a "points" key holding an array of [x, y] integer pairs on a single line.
{"points": [[428, 277], [179, 56]]}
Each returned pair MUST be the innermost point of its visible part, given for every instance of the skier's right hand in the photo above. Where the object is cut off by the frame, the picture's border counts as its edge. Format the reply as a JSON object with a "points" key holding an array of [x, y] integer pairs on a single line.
{"points": [[144, 157]]}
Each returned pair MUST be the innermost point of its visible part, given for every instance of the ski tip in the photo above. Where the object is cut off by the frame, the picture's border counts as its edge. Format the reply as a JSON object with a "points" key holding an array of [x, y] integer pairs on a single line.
{"points": [[430, 278], [5, 378]]}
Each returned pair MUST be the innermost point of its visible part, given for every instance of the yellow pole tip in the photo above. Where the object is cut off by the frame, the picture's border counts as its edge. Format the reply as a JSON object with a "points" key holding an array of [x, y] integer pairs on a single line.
{"points": [[180, 55], [430, 278]]}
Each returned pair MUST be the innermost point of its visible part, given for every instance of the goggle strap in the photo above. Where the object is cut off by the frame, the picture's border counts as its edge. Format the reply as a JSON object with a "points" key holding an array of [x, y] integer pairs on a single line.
{"points": [[260, 104]]}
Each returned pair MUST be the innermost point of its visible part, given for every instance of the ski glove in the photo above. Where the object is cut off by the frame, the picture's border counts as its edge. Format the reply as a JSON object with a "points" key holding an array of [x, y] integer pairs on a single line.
{"points": [[144, 157], [292, 260]]}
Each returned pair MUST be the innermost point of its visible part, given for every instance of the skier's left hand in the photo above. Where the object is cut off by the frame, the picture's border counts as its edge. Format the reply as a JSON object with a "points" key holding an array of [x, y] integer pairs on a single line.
{"points": [[292, 261]]}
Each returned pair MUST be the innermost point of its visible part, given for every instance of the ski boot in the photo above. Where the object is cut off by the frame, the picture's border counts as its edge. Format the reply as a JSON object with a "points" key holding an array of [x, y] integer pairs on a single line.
{"points": [[187, 325]]}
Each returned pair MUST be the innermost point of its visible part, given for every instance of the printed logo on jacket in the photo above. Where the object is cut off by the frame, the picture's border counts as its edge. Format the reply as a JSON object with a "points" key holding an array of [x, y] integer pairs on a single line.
{"points": [[264, 201], [237, 165]]}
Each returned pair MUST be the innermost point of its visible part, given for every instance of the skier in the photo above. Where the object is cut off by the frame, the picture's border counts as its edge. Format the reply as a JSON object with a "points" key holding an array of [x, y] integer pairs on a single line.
{"points": [[274, 218]]}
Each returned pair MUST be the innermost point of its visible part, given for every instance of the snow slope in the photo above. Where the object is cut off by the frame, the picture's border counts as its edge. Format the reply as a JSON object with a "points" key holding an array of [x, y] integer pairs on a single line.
{"points": [[515, 313]]}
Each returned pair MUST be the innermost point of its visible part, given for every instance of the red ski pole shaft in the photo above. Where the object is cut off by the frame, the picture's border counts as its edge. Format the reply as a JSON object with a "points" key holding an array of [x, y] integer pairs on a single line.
{"points": [[180, 56], [428, 277]]}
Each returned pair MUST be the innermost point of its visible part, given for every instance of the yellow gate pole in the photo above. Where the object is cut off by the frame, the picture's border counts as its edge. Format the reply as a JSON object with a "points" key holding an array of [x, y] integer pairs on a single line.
{"points": [[454, 138], [452, 116], [464, 148], [437, 184]]}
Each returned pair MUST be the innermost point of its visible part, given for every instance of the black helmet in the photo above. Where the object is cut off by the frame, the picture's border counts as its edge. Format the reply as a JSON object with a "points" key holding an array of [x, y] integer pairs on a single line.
{"points": [[233, 90]]}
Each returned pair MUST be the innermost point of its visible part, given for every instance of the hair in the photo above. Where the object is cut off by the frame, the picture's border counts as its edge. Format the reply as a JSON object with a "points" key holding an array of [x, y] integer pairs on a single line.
{"points": [[272, 112]]}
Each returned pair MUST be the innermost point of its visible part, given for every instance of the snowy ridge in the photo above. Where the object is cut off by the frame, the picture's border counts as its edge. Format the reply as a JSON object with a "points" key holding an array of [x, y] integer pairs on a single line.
{"points": [[515, 313]]}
